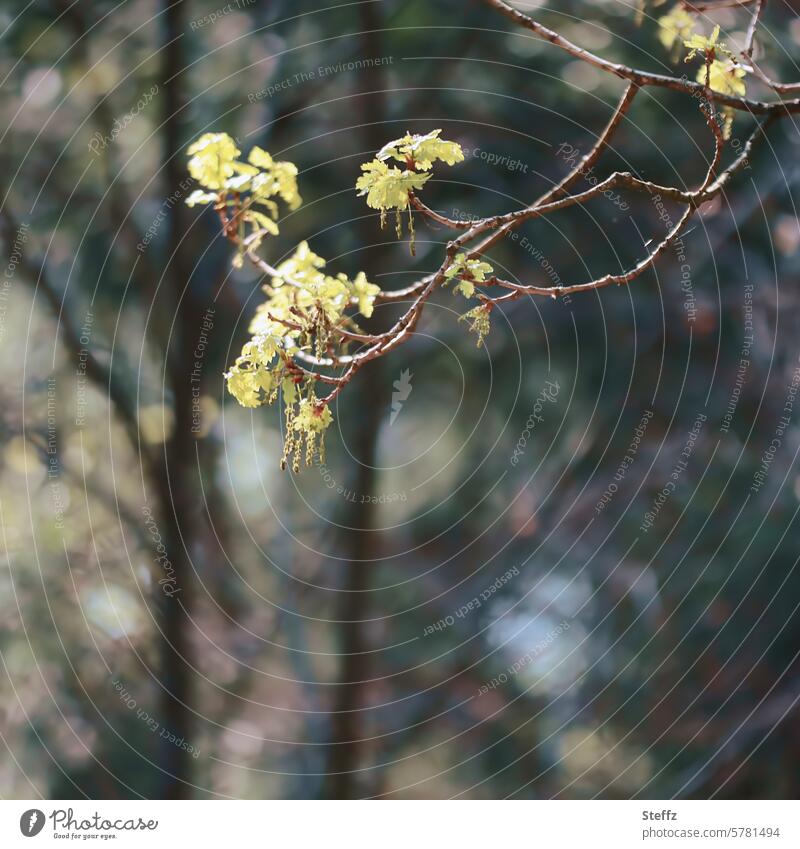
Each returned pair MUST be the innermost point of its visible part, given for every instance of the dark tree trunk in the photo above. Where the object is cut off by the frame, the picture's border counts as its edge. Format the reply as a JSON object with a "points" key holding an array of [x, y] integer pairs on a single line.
{"points": [[175, 486], [342, 782], [348, 703]]}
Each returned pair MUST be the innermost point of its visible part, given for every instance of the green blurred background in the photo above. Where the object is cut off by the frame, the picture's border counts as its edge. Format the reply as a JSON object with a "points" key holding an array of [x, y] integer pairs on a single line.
{"points": [[299, 636]]}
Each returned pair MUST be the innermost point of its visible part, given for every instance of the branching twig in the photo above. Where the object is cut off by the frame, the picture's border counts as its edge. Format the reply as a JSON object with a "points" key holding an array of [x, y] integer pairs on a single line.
{"points": [[643, 78]]}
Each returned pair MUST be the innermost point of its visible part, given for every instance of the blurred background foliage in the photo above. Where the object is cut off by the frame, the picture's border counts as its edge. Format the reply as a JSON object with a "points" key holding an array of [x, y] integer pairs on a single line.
{"points": [[312, 647]]}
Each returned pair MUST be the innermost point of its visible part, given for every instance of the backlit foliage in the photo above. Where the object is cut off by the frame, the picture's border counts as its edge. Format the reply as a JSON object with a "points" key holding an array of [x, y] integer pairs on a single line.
{"points": [[720, 72], [306, 311], [468, 272], [250, 188], [676, 26], [388, 187]]}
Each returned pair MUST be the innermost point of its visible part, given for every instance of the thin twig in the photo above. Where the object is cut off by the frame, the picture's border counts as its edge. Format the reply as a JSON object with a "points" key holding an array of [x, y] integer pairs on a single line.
{"points": [[642, 78]]}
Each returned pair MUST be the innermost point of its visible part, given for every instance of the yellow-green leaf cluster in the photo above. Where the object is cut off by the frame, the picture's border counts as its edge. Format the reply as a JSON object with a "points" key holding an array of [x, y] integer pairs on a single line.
{"points": [[469, 272], [387, 186], [248, 190], [212, 160], [255, 377], [675, 27], [708, 46], [420, 152], [725, 77], [364, 292], [720, 72], [303, 310], [301, 289]]}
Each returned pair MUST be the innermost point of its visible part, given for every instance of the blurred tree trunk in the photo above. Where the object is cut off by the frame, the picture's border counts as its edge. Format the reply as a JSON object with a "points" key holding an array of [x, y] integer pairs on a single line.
{"points": [[348, 702], [176, 492], [341, 780]]}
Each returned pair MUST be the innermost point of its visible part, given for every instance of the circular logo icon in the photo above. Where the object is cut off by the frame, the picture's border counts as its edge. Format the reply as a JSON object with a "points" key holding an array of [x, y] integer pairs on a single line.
{"points": [[31, 822]]}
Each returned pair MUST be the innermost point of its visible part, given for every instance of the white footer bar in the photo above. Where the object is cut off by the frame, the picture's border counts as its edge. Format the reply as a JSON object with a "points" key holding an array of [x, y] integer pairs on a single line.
{"points": [[401, 824]]}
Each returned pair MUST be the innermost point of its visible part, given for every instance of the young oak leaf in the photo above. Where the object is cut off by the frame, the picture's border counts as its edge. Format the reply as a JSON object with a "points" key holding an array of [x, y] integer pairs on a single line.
{"points": [[364, 293], [725, 77], [708, 46], [199, 196], [261, 220], [469, 272], [250, 188], [212, 159], [303, 266], [720, 72], [244, 384], [388, 188], [675, 27], [464, 287], [422, 151], [303, 308]]}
